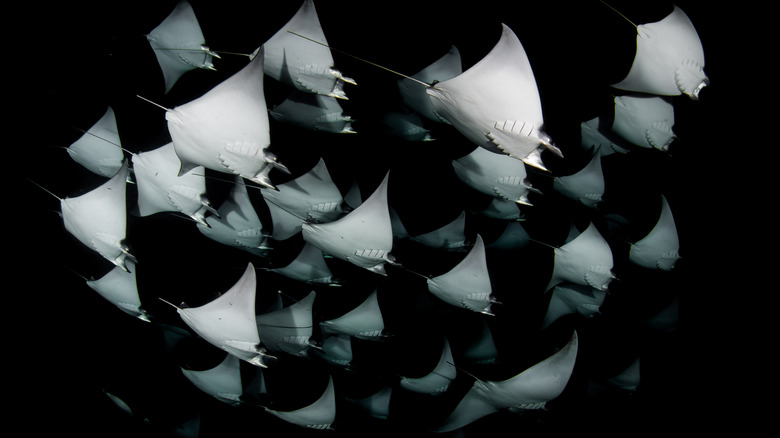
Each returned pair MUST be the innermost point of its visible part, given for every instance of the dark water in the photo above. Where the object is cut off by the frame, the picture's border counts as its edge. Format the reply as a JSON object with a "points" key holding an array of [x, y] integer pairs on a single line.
{"points": [[82, 346]]}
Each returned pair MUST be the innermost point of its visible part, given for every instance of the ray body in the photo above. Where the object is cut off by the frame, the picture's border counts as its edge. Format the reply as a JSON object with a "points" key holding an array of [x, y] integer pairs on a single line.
{"points": [[318, 415], [451, 236], [503, 209], [377, 404], [336, 350], [364, 237], [585, 259], [514, 236], [363, 322], [414, 95], [312, 196], [406, 125], [467, 285], [308, 267], [660, 249], [179, 44], [496, 103], [569, 298], [288, 329], [222, 382], [531, 389], [227, 129], [120, 288], [99, 149], [237, 224], [645, 121], [162, 189], [585, 186], [494, 174], [438, 380], [591, 138], [301, 63], [98, 218], [669, 58], [228, 322], [314, 112]]}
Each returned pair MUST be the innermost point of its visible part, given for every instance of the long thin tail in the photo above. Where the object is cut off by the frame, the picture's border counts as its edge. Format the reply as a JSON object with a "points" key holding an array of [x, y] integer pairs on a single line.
{"points": [[364, 60], [618, 12]]}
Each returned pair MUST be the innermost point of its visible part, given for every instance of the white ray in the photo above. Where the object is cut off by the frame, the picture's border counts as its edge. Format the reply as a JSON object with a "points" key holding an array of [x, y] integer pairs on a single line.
{"points": [[228, 322], [120, 288], [227, 129], [364, 237], [493, 174], [531, 389], [660, 249], [98, 218], [645, 121], [467, 285], [496, 103], [162, 189], [669, 58], [179, 44], [586, 259], [100, 148]]}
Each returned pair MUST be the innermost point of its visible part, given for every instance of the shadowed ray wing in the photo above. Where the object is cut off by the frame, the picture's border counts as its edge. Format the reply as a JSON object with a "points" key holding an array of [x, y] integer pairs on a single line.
{"points": [[161, 189], [660, 248], [290, 328], [363, 237], [304, 64], [222, 382], [645, 121], [318, 415]]}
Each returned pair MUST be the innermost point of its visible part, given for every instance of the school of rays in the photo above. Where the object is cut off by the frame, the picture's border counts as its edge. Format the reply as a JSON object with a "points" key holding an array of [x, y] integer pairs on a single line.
{"points": [[439, 262]]}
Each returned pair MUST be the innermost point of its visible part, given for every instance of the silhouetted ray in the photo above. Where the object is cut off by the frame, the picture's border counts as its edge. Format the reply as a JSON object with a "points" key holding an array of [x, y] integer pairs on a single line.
{"points": [[660, 248], [222, 382]]}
